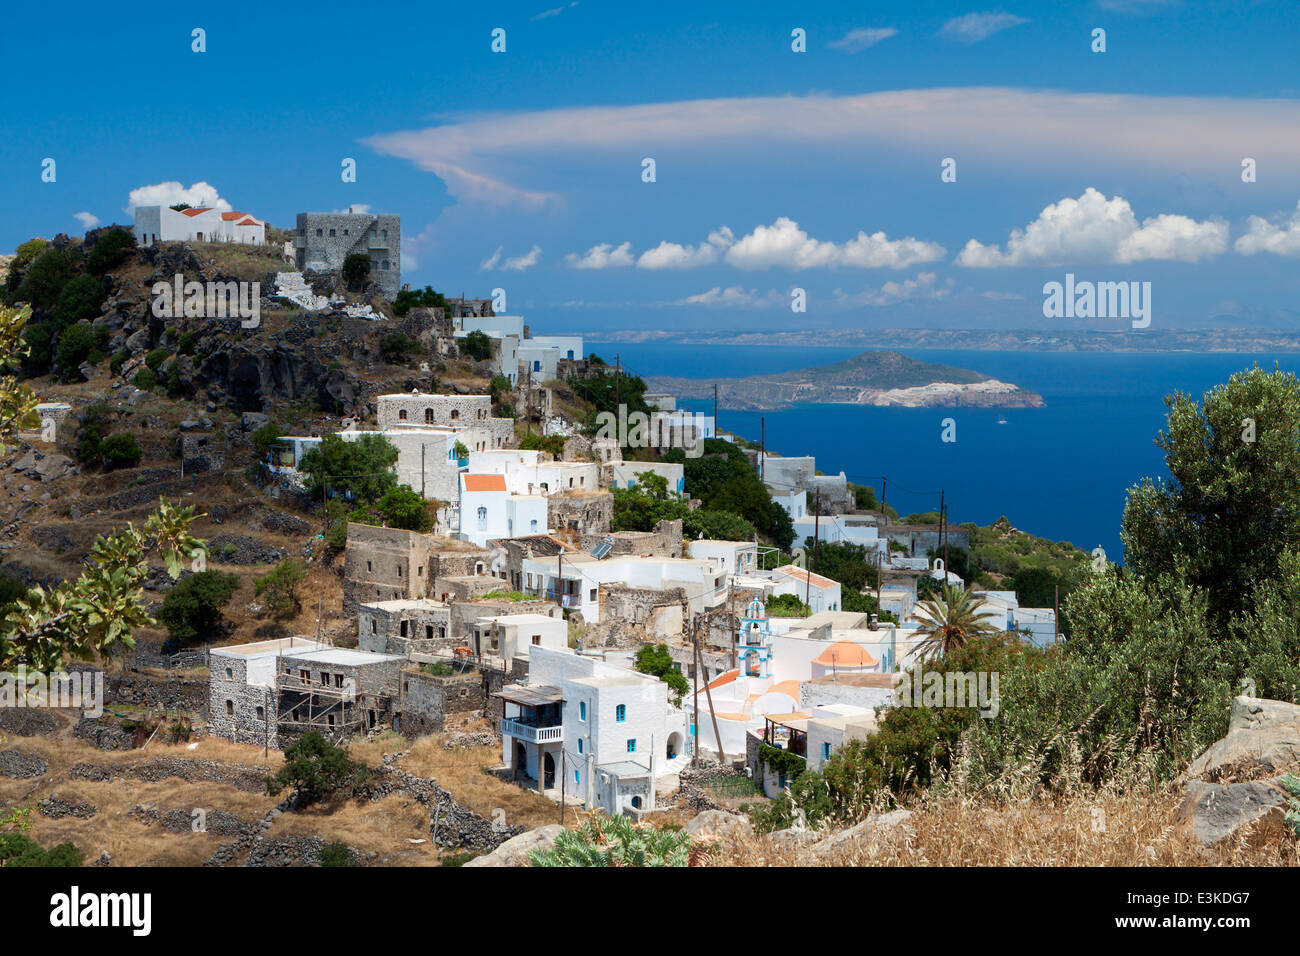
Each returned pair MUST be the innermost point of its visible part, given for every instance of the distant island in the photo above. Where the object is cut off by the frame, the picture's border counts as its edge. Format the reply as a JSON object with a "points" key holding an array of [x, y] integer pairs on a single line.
{"points": [[872, 378], [1238, 340]]}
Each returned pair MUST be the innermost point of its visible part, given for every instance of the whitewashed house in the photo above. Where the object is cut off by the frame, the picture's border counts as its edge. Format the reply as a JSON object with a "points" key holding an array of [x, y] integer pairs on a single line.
{"points": [[733, 557], [487, 510], [164, 224], [602, 734]]}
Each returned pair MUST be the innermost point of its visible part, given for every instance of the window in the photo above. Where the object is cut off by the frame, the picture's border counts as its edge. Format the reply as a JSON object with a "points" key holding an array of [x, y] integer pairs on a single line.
{"points": [[537, 640], [579, 745], [319, 233], [620, 713], [582, 710], [345, 232], [593, 594], [455, 414], [482, 518], [373, 629], [230, 674], [370, 567], [826, 751], [331, 233], [532, 526], [577, 776], [383, 267], [260, 713], [324, 679], [428, 415], [304, 676], [631, 745], [230, 708], [401, 415]]}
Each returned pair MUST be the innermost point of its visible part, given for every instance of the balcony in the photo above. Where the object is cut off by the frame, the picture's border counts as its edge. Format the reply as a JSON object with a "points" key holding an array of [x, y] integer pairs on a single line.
{"points": [[566, 599], [530, 734]]}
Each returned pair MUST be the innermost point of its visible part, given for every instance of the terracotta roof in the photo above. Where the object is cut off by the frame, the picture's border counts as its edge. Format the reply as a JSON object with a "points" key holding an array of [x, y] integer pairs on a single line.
{"points": [[846, 654], [195, 212], [724, 679], [799, 574], [232, 215], [485, 482]]}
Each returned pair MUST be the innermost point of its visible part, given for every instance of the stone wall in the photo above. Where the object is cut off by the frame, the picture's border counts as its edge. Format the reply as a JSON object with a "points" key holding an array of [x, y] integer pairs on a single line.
{"points": [[418, 626], [652, 614], [431, 704], [587, 513], [352, 235]]}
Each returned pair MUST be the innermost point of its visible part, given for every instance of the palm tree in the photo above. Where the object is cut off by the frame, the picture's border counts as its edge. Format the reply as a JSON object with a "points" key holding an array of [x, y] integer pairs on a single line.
{"points": [[949, 623]]}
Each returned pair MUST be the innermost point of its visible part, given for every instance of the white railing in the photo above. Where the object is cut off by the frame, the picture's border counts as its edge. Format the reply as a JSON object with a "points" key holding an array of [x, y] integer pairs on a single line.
{"points": [[529, 733]]}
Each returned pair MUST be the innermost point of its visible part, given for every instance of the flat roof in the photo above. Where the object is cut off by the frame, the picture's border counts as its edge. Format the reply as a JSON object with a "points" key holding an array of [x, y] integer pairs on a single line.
{"points": [[612, 680], [531, 696], [346, 656], [523, 618], [277, 646], [883, 681], [624, 768], [407, 604]]}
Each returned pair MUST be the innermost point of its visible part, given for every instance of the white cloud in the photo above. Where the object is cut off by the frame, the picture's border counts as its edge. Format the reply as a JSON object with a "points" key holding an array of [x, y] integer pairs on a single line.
{"points": [[480, 157], [358, 208], [672, 255], [88, 220], [861, 39], [974, 27], [491, 261], [171, 193], [1263, 236], [734, 297], [553, 12], [413, 245], [524, 262], [1093, 228], [784, 245], [924, 286], [603, 256]]}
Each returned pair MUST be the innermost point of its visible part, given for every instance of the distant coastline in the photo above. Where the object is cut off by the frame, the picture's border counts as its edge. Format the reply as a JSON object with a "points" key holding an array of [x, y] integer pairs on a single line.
{"points": [[1245, 341]]}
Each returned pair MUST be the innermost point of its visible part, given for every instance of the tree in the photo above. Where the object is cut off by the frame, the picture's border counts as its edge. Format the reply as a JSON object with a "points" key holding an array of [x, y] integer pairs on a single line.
{"points": [[80, 299], [950, 622], [403, 508], [191, 611], [552, 444], [360, 469], [657, 661], [120, 451], [17, 401], [315, 768], [98, 611], [75, 345], [280, 587], [397, 348], [51, 271], [477, 345], [786, 605], [111, 249], [264, 438], [1230, 510], [356, 271], [425, 298]]}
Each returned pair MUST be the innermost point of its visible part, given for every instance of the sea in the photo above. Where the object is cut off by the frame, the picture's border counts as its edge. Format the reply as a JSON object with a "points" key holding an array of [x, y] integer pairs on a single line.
{"points": [[1060, 472]]}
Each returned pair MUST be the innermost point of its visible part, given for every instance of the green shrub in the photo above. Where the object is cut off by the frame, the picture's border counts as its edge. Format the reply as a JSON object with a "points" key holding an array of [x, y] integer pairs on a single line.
{"points": [[188, 342], [81, 298], [397, 348], [17, 849], [75, 345], [356, 271], [155, 359], [402, 508], [145, 380], [120, 451], [191, 611], [616, 841], [266, 437], [477, 345], [111, 249], [280, 586], [52, 270], [335, 854], [117, 361]]}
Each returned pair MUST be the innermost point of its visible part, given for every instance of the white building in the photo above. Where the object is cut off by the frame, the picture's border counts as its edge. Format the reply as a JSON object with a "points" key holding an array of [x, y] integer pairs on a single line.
{"points": [[487, 510], [606, 735], [820, 593], [733, 557], [534, 472], [626, 474], [833, 724], [1002, 610], [576, 579], [163, 224], [426, 458], [540, 356], [514, 636]]}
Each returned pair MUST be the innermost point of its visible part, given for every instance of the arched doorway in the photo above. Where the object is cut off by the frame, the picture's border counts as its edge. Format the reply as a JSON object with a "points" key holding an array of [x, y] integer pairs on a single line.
{"points": [[674, 745], [548, 767], [521, 760]]}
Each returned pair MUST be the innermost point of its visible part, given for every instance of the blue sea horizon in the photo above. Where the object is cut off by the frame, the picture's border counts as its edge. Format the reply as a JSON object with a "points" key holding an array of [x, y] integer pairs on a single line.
{"points": [[1060, 472]]}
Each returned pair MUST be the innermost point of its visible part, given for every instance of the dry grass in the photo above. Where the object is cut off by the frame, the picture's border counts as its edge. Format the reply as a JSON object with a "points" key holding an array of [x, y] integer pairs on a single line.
{"points": [[463, 772], [385, 827], [1128, 829]]}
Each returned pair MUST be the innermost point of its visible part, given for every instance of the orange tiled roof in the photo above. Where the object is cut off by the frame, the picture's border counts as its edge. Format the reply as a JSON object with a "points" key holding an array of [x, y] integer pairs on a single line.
{"points": [[846, 654], [724, 679], [485, 482], [195, 212], [799, 574]]}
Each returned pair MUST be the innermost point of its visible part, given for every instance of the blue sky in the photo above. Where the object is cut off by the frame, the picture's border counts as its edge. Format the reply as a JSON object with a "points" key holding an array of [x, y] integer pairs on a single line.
{"points": [[774, 169]]}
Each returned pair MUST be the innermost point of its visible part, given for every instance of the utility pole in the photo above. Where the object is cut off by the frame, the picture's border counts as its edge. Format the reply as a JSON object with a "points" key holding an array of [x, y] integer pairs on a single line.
{"points": [[564, 754], [618, 375], [559, 579], [528, 398], [715, 409], [817, 520], [762, 440], [695, 710], [884, 483], [1056, 615], [421, 469], [943, 540]]}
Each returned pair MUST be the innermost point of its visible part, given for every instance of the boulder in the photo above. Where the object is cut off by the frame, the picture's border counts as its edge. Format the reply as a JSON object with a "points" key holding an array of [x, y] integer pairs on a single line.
{"points": [[252, 421], [719, 825], [1216, 812], [875, 826], [53, 466], [514, 852], [1263, 741]]}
